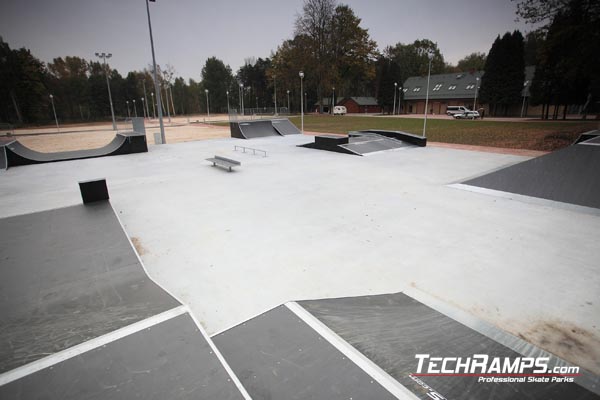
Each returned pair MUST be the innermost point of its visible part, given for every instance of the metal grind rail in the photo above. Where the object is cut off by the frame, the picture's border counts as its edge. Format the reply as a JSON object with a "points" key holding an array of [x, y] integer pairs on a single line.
{"points": [[243, 148]]}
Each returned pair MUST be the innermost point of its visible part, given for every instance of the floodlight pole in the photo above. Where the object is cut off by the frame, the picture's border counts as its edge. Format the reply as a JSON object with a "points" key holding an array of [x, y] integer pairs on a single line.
{"points": [[400, 91], [145, 99], [394, 108], [153, 106], [333, 101], [104, 56], [54, 111], [156, 86], [523, 106], [275, 91], [476, 89], [427, 94], [207, 104], [242, 90], [134, 109], [144, 107], [227, 92], [301, 74], [288, 96], [128, 113]]}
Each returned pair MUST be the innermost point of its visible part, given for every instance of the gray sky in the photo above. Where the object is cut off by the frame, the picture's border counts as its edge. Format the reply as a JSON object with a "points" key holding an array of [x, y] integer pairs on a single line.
{"points": [[187, 32]]}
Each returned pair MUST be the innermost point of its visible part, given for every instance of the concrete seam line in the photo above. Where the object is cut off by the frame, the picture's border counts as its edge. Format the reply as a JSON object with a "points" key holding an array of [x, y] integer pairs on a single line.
{"points": [[224, 362], [368, 366], [91, 344]]}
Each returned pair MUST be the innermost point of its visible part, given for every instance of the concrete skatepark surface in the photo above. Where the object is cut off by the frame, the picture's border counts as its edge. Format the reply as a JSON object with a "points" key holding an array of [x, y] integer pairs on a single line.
{"points": [[304, 224]]}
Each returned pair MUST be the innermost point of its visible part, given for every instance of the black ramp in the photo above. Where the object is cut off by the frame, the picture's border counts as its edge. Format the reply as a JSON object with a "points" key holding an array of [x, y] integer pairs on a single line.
{"points": [[277, 356], [391, 329], [285, 127], [256, 129], [122, 143], [570, 175], [167, 361], [68, 275]]}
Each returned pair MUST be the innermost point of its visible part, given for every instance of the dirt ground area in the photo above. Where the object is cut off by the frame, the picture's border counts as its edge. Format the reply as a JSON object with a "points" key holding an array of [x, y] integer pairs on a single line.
{"points": [[90, 136]]}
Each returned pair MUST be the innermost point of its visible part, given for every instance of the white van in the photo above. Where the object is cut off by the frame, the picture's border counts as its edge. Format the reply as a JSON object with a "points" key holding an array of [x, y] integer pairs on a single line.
{"points": [[451, 110], [339, 110]]}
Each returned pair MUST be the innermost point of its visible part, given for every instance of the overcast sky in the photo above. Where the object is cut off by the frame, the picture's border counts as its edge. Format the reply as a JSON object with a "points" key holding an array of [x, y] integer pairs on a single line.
{"points": [[187, 32]]}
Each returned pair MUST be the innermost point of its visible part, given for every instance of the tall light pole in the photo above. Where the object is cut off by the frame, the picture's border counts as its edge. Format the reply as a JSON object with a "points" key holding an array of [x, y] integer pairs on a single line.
{"points": [[227, 102], [207, 105], [288, 95], [145, 99], [167, 103], [400, 92], [128, 112], [242, 90], [153, 106], [524, 96], [144, 107], [54, 111], [156, 86], [333, 101], [394, 108], [134, 109], [104, 56], [275, 91], [301, 74], [430, 55], [475, 99]]}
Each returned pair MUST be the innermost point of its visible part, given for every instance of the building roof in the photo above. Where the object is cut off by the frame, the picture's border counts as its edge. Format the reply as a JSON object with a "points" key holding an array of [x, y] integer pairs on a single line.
{"points": [[326, 101], [458, 85], [364, 101]]}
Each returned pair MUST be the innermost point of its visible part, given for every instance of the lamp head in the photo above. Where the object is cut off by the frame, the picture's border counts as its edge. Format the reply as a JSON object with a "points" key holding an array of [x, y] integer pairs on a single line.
{"points": [[301, 74]]}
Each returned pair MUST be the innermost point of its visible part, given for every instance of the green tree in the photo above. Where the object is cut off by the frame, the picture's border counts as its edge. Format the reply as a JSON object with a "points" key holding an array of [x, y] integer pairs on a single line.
{"points": [[502, 82], [217, 79], [472, 62]]}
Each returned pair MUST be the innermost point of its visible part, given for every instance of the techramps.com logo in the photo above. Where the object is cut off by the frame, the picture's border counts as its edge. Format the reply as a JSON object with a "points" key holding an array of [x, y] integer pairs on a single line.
{"points": [[495, 369]]}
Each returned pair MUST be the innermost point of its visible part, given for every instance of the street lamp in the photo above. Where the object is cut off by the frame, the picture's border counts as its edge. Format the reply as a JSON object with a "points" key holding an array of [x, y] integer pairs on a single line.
{"points": [[524, 96], [301, 74], [145, 99], [172, 102], [430, 55], [288, 95], [54, 110], [227, 102], [144, 108], [153, 106], [242, 96], [128, 113], [207, 105], [275, 91], [156, 87], [394, 108], [400, 93], [134, 109], [104, 56], [333, 101], [475, 100]]}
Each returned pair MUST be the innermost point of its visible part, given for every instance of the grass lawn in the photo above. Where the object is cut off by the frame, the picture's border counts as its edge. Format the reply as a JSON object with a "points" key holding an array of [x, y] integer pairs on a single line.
{"points": [[542, 135]]}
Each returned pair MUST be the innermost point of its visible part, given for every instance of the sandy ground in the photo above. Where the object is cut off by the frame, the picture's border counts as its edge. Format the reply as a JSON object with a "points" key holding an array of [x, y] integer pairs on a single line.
{"points": [[92, 136]]}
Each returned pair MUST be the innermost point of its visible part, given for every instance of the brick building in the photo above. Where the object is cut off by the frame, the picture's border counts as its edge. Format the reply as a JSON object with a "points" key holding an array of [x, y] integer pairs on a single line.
{"points": [[363, 105]]}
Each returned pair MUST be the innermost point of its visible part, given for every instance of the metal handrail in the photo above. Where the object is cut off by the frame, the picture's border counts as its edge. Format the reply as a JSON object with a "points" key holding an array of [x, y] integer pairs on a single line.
{"points": [[235, 148]]}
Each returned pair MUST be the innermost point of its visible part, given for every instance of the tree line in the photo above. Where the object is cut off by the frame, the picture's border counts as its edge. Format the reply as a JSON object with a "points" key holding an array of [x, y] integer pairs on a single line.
{"points": [[337, 56]]}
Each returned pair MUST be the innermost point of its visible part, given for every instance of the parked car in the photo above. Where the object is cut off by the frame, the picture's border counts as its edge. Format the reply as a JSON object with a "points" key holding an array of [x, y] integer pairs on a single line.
{"points": [[451, 110], [467, 115], [339, 110]]}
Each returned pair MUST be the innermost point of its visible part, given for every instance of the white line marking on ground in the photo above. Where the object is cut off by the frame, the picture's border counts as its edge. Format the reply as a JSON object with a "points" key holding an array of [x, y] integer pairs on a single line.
{"points": [[91, 344], [372, 369]]}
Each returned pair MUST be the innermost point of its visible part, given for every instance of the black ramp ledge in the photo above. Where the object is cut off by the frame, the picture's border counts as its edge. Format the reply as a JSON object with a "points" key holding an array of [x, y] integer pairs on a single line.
{"points": [[68, 275], [278, 356], [171, 360]]}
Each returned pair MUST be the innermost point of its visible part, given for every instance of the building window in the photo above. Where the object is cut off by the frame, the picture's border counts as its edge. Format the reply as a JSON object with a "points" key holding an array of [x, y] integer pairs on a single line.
{"points": [[470, 87], [437, 87], [417, 89], [405, 90], [451, 87]]}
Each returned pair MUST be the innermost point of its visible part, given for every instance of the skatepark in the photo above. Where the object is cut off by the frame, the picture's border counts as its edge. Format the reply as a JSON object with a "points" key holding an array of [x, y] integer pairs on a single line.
{"points": [[299, 274]]}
